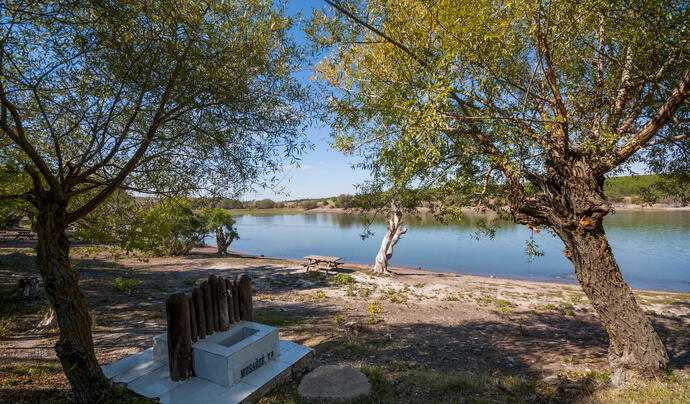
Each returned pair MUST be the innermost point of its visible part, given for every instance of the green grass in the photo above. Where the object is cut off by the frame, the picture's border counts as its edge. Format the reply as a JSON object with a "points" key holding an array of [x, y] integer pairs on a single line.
{"points": [[343, 279], [276, 318], [5, 330], [676, 391], [125, 285], [189, 282]]}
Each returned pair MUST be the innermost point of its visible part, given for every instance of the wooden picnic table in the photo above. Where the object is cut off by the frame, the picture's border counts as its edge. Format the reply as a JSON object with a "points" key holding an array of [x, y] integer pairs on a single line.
{"points": [[316, 260], [24, 234]]}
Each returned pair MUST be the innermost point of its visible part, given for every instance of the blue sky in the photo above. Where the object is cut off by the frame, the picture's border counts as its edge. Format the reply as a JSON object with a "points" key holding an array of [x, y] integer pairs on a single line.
{"points": [[323, 171]]}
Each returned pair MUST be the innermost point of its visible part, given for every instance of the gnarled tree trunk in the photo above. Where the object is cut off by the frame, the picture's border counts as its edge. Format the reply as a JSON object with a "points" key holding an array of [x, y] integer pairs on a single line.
{"points": [[223, 241], [75, 345], [389, 240], [571, 202], [633, 343]]}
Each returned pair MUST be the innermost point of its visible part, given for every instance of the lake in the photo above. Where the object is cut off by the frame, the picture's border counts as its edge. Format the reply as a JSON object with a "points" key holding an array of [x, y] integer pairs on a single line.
{"points": [[651, 247]]}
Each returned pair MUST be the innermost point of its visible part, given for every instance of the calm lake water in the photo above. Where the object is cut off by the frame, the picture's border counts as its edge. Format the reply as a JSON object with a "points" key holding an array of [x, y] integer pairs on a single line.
{"points": [[651, 247]]}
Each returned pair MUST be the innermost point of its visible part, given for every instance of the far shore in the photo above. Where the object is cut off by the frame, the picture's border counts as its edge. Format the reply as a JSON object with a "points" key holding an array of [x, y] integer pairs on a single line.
{"points": [[467, 210]]}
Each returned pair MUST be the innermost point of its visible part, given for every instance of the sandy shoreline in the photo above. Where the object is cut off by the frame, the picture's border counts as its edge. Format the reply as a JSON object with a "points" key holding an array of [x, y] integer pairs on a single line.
{"points": [[402, 270]]}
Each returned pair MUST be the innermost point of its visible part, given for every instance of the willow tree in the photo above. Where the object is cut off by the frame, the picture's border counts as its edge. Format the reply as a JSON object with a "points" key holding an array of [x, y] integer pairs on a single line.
{"points": [[156, 96], [540, 99]]}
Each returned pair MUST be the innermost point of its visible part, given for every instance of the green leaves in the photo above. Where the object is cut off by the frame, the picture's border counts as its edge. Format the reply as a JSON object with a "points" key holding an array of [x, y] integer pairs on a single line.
{"points": [[160, 96], [434, 93]]}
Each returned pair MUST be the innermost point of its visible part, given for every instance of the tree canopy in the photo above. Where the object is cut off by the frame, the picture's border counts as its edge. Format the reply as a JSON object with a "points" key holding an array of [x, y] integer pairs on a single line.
{"points": [[165, 97], [157, 96], [433, 94], [545, 98]]}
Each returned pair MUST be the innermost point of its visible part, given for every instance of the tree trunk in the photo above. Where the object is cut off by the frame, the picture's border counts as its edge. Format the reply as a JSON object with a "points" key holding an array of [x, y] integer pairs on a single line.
{"points": [[222, 241], [571, 202], [634, 346], [75, 345], [389, 240]]}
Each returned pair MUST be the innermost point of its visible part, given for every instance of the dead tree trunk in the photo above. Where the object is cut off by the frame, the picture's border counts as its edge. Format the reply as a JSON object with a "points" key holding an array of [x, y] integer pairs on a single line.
{"points": [[75, 345], [571, 202], [223, 241], [389, 240], [49, 321]]}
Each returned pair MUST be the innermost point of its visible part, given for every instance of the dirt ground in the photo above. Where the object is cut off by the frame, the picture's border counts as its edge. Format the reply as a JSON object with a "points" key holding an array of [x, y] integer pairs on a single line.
{"points": [[429, 322]]}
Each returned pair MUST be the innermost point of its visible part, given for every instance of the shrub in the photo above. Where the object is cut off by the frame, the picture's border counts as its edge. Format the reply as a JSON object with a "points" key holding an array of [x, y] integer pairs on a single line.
{"points": [[343, 279], [125, 285], [265, 204], [4, 329], [343, 201], [308, 205], [226, 203], [374, 309], [168, 228]]}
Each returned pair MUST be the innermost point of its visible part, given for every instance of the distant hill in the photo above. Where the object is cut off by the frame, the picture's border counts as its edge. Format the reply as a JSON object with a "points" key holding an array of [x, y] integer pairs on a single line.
{"points": [[648, 189]]}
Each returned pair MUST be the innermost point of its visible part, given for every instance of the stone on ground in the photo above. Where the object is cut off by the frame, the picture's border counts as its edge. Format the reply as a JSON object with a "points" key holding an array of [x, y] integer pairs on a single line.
{"points": [[334, 381]]}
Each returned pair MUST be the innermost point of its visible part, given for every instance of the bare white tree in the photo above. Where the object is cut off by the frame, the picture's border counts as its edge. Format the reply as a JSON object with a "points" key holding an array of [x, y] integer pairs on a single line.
{"points": [[395, 230]]}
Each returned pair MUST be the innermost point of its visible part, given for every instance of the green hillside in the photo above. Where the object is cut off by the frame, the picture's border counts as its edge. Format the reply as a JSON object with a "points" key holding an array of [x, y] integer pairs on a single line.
{"points": [[649, 189]]}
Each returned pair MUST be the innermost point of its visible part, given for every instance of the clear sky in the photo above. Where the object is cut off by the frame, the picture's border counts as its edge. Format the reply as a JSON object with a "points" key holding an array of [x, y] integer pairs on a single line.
{"points": [[323, 171]]}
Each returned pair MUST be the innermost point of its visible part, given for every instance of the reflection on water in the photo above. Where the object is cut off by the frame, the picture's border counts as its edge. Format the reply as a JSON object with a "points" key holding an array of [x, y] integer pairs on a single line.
{"points": [[651, 247]]}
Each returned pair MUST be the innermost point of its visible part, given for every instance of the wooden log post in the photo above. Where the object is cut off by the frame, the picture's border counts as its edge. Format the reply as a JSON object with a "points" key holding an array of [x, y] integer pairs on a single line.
{"points": [[229, 299], [192, 319], [223, 313], [213, 282], [198, 297], [180, 359], [244, 283], [236, 300], [208, 307]]}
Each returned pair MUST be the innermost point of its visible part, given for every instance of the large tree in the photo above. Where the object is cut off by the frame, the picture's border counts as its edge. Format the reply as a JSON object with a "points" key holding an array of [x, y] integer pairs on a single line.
{"points": [[148, 96], [540, 99]]}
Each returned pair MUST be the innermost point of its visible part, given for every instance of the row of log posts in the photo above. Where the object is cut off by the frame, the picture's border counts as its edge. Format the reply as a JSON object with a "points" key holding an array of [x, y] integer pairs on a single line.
{"points": [[213, 306]]}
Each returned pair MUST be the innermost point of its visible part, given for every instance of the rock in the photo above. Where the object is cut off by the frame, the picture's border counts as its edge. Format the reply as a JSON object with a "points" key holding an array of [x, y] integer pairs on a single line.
{"points": [[511, 361], [335, 382], [552, 380], [353, 326]]}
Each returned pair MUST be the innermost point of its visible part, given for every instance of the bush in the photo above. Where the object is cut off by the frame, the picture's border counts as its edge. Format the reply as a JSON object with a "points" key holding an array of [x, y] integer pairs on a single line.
{"points": [[226, 203], [344, 201], [308, 205], [125, 285], [265, 204], [168, 228], [343, 279]]}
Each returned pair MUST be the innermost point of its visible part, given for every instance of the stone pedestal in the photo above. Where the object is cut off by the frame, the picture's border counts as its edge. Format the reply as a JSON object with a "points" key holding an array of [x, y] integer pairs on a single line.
{"points": [[235, 366], [227, 357]]}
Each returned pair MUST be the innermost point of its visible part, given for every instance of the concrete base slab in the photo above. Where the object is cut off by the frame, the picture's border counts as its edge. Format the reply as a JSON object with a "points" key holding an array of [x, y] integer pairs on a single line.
{"points": [[149, 378]]}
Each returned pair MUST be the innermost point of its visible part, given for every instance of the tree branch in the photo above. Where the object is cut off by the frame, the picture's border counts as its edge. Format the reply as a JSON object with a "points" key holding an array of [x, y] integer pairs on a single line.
{"points": [[658, 121]]}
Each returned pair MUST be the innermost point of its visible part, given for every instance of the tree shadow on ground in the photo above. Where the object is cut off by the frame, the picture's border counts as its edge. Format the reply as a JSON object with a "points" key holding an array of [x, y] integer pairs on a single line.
{"points": [[520, 344]]}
